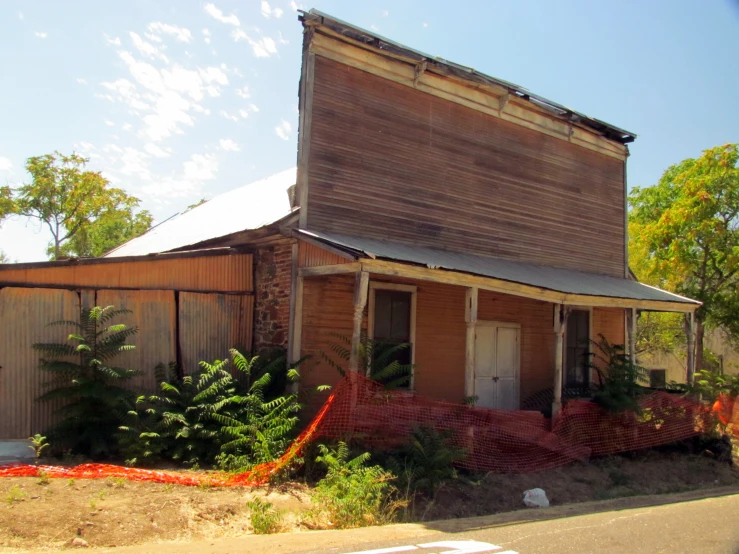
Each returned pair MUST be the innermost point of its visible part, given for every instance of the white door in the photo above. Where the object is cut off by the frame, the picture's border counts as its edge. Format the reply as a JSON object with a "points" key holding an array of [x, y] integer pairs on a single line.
{"points": [[496, 365]]}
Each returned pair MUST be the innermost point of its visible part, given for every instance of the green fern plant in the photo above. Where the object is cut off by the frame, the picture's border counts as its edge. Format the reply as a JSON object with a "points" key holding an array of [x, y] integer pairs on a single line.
{"points": [[84, 379], [379, 360], [212, 417], [618, 389], [353, 494]]}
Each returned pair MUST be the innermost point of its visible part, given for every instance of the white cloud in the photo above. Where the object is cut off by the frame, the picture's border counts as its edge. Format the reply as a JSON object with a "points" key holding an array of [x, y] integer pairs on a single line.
{"points": [[5, 164], [239, 34], [253, 108], [200, 167], [374, 28], [147, 48], [81, 81], [206, 40], [114, 41], [153, 38], [21, 16], [425, 24], [268, 11], [127, 127], [206, 32], [283, 130], [385, 13], [41, 34], [230, 117], [218, 15], [263, 47], [293, 6], [228, 145], [243, 92], [156, 151], [244, 113], [180, 33], [109, 123]]}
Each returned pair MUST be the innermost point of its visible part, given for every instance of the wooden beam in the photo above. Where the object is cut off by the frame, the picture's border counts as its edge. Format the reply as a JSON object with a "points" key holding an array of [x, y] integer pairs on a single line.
{"points": [[632, 320], [470, 310], [334, 269], [397, 269], [481, 97], [690, 332], [561, 312], [304, 124], [295, 328], [361, 290]]}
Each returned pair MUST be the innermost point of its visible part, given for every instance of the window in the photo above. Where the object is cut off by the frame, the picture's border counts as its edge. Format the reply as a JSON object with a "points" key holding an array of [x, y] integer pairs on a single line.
{"points": [[392, 319], [577, 361], [657, 378]]}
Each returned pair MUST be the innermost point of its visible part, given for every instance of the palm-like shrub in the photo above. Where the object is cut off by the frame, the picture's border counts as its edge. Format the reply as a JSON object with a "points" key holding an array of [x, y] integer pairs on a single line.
{"points": [[619, 385], [379, 360], [83, 378], [212, 416]]}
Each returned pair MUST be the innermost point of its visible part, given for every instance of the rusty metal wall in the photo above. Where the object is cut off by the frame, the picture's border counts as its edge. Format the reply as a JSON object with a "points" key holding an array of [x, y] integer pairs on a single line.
{"points": [[24, 315], [226, 273], [310, 255], [155, 314], [210, 324]]}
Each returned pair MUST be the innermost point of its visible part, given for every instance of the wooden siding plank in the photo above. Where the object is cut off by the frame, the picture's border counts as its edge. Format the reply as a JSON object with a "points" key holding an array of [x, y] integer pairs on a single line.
{"points": [[386, 158]]}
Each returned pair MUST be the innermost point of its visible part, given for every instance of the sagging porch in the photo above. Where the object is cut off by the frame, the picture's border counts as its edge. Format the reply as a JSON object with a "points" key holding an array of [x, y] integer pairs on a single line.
{"points": [[478, 327]]}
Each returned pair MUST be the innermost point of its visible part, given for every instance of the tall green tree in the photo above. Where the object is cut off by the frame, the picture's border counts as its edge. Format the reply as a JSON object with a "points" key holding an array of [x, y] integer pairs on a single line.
{"points": [[4, 258], [684, 237], [86, 216]]}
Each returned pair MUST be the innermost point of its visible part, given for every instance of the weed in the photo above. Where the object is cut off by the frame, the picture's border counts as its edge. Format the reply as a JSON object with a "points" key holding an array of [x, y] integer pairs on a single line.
{"points": [[101, 494], [117, 482], [15, 494], [353, 494], [168, 487], [43, 478], [38, 443], [93, 505], [71, 482], [618, 478], [265, 519]]}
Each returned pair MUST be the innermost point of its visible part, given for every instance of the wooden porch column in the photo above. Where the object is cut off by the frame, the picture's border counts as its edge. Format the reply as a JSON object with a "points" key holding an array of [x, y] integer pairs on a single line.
{"points": [[560, 324], [295, 327], [690, 332], [361, 289], [470, 317], [631, 320]]}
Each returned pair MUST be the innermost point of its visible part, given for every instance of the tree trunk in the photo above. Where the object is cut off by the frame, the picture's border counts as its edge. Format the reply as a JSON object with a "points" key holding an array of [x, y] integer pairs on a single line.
{"points": [[699, 333]]}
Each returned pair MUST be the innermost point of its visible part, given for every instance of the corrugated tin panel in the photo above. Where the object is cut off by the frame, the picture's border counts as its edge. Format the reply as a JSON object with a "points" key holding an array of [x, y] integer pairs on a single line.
{"points": [[550, 278], [310, 255], [210, 324], [24, 315], [154, 313], [228, 273], [248, 207]]}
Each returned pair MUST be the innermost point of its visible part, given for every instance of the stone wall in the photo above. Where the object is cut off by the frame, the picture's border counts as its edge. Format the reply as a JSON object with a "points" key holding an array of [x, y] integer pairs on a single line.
{"points": [[272, 297]]}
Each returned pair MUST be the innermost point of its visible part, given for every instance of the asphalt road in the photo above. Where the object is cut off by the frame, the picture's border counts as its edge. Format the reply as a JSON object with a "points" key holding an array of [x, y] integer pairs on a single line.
{"points": [[699, 522], [700, 526]]}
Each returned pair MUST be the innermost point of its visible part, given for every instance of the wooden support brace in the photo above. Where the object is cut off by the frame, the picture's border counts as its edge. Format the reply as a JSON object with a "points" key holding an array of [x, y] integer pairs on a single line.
{"points": [[361, 290], [471, 300], [560, 324]]}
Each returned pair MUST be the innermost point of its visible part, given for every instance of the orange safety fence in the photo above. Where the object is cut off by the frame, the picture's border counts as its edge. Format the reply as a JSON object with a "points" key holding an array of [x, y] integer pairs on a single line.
{"points": [[361, 411]]}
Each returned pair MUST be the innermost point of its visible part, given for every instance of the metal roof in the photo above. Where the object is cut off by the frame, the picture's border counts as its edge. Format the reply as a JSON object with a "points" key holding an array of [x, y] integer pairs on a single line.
{"points": [[249, 207], [560, 280], [373, 39]]}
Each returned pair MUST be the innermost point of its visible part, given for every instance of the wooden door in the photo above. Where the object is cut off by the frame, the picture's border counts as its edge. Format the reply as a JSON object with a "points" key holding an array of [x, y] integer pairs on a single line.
{"points": [[497, 365]]}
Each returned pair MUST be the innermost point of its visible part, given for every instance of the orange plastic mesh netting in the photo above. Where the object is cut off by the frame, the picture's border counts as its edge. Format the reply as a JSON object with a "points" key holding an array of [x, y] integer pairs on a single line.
{"points": [[360, 410]]}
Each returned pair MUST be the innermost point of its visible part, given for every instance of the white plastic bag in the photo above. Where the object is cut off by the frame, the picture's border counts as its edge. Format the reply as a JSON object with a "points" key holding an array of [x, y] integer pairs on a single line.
{"points": [[535, 498]]}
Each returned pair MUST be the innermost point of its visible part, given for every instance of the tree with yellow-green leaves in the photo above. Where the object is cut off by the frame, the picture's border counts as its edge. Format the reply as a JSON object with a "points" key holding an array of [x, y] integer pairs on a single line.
{"points": [[684, 237], [86, 216]]}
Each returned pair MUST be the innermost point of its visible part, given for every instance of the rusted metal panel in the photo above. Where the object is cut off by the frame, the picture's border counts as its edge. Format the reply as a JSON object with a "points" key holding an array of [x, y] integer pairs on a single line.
{"points": [[310, 255], [24, 315], [210, 324], [154, 313], [389, 160], [227, 273]]}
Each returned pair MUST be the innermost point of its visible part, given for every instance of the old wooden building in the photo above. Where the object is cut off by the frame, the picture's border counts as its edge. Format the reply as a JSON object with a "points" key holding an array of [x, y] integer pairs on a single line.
{"points": [[432, 204]]}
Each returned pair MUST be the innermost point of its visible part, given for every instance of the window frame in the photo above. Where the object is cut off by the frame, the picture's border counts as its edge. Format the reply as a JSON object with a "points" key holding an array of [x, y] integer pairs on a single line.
{"points": [[590, 371], [413, 290]]}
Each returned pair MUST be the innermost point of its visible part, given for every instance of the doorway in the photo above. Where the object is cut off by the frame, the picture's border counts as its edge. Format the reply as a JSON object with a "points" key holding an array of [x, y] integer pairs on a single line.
{"points": [[497, 360]]}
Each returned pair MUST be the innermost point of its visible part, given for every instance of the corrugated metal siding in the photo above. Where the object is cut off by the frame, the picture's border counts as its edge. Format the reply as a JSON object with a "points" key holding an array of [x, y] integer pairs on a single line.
{"points": [[24, 315], [210, 324], [310, 255], [386, 159], [154, 313], [228, 273]]}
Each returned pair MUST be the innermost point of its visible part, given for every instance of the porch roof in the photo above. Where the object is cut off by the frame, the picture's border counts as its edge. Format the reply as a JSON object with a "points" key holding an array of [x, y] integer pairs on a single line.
{"points": [[572, 286]]}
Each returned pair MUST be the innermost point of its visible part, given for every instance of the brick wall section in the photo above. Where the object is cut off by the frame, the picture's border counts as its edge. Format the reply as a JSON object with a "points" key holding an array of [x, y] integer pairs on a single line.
{"points": [[272, 296]]}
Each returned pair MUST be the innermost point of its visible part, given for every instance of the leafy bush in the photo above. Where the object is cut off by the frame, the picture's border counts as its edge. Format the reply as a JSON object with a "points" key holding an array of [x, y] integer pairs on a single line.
{"points": [[212, 416], [352, 494], [91, 389], [618, 389], [265, 519], [426, 461], [380, 360]]}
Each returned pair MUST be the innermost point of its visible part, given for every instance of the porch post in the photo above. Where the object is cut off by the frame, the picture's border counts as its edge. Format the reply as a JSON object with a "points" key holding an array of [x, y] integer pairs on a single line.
{"points": [[295, 328], [470, 317], [690, 332], [361, 288], [560, 324], [631, 320]]}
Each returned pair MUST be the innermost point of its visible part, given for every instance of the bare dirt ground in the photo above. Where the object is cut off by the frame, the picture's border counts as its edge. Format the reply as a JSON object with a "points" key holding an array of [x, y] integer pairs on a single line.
{"points": [[105, 513]]}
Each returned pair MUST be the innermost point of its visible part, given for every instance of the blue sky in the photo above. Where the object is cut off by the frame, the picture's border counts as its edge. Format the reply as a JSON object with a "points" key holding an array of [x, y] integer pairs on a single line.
{"points": [[182, 99]]}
